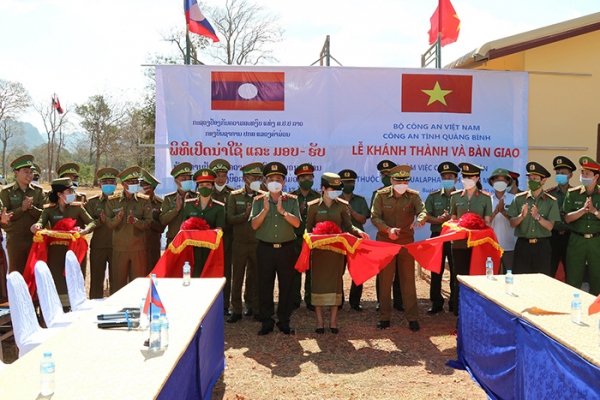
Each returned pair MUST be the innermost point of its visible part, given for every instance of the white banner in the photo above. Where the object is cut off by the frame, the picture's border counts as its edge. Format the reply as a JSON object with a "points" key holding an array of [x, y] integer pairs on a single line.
{"points": [[338, 118]]}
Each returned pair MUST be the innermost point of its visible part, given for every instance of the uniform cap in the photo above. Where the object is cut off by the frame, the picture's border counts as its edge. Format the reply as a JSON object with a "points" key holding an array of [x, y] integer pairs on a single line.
{"points": [[588, 162], [274, 168], [205, 175], [534, 168], [130, 174], [448, 167], [385, 165], [347, 175], [563, 162], [304, 169], [107, 173], [25, 161], [220, 165], [149, 178], [468, 169], [254, 168], [37, 169], [513, 174], [60, 184], [185, 168], [500, 172], [401, 173], [68, 169], [331, 180]]}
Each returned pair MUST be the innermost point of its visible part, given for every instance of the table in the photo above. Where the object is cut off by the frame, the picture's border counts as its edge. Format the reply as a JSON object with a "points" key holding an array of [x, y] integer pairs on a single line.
{"points": [[514, 354], [94, 363]]}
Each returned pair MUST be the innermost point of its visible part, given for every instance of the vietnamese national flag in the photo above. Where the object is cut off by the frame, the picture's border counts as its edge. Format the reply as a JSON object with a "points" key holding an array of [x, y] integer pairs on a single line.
{"points": [[153, 298], [197, 22], [449, 23], [437, 93], [261, 91]]}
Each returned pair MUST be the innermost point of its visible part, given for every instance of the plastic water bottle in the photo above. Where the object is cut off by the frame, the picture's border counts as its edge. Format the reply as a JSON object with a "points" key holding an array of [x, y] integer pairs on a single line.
{"points": [[153, 276], [489, 268], [155, 333], [164, 331], [186, 274], [576, 309], [508, 282], [143, 317], [47, 369]]}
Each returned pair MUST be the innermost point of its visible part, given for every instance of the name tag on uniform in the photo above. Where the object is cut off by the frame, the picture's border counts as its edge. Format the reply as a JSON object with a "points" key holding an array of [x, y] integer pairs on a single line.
{"points": [[98, 209], [15, 198], [193, 213], [459, 204], [116, 210], [438, 204], [58, 217], [322, 212], [240, 202], [579, 202], [387, 206]]}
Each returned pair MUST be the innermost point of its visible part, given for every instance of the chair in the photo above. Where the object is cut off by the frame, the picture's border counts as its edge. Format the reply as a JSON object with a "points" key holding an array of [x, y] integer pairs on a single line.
{"points": [[76, 285], [27, 330], [50, 304]]}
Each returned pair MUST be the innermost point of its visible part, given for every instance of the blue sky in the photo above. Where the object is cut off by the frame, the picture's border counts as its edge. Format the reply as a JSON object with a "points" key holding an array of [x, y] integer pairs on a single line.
{"points": [[79, 48]]}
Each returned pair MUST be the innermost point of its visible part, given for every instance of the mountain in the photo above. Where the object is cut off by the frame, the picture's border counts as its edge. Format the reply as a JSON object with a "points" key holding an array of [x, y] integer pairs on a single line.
{"points": [[33, 137]]}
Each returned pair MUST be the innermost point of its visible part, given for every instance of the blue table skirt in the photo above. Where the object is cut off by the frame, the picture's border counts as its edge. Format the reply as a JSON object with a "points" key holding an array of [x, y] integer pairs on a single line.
{"points": [[511, 359], [202, 363]]}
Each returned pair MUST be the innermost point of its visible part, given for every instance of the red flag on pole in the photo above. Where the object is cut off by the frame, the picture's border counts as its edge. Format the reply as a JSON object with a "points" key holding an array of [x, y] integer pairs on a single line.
{"points": [[446, 22], [56, 104]]}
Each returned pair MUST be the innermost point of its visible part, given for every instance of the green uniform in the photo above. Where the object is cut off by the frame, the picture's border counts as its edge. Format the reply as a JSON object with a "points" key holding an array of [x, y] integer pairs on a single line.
{"points": [[359, 204], [18, 230], [389, 211], [529, 228], [480, 203], [560, 233], [154, 234], [328, 266], [436, 204], [299, 231], [100, 246], [170, 217], [223, 197], [57, 252], [275, 228], [129, 240], [584, 243], [214, 215], [244, 252]]}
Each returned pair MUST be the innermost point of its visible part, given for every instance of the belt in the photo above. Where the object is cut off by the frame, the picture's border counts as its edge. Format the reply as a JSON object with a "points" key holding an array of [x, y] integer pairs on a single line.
{"points": [[587, 235], [562, 233], [276, 245], [536, 240]]}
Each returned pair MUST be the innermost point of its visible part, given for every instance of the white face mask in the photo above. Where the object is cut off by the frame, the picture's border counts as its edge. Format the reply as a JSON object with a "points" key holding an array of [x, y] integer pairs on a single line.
{"points": [[219, 187], [132, 189], [333, 194], [400, 187], [468, 183], [500, 186], [255, 186], [35, 182], [69, 198], [274, 187]]}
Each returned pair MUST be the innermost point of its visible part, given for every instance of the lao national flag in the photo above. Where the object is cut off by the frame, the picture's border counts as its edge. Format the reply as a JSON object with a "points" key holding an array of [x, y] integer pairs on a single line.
{"points": [[197, 22], [263, 91], [425, 93], [56, 104], [153, 298]]}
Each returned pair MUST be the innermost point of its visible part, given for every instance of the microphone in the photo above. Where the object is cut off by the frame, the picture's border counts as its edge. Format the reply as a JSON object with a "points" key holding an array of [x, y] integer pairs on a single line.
{"points": [[129, 324], [120, 315]]}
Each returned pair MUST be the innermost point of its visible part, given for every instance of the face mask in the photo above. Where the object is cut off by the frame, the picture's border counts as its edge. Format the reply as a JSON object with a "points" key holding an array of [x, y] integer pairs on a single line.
{"points": [[534, 185], [274, 187], [333, 194], [186, 186], [448, 184], [205, 191], [500, 186], [35, 182], [133, 189], [348, 189], [219, 187], [468, 183], [586, 181], [108, 189], [255, 186], [562, 179], [400, 187], [69, 198], [386, 180], [75, 184], [306, 185]]}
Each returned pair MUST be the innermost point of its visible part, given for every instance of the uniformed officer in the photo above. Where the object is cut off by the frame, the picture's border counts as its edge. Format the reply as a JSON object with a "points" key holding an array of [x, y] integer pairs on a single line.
{"points": [[37, 170], [532, 214], [129, 215], [359, 214], [305, 177], [148, 184], [221, 193], [71, 171], [581, 208], [559, 241], [501, 201], [437, 206], [514, 186], [207, 208], [239, 207], [101, 250], [23, 202], [62, 206], [471, 199], [170, 212], [274, 216], [384, 167], [396, 211]]}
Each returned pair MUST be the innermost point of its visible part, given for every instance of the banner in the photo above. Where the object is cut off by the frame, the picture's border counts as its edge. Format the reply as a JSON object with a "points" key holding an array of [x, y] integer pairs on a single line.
{"points": [[338, 118]]}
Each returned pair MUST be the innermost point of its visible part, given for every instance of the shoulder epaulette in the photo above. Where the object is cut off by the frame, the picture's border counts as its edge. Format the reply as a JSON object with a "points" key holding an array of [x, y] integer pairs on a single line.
{"points": [[520, 194], [238, 191], [114, 196], [160, 200], [259, 197], [381, 188], [171, 194], [413, 191], [49, 205], [190, 200], [437, 191], [143, 196], [218, 202], [231, 189], [575, 188], [315, 201], [8, 186], [77, 203], [456, 191], [36, 186], [552, 197], [343, 201], [551, 190], [94, 197], [81, 194], [385, 189], [486, 193], [293, 196]]}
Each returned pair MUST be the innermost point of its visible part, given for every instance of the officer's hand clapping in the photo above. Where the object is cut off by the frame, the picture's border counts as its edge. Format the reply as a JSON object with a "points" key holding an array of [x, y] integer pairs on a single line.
{"points": [[266, 203], [6, 216], [130, 218], [524, 210], [280, 209], [120, 214], [102, 216], [27, 203]]}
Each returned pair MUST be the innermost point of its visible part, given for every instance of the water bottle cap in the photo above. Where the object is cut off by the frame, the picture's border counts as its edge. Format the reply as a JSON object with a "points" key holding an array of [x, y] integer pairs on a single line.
{"points": [[509, 271], [163, 313], [489, 258], [187, 263], [576, 294], [153, 275], [47, 354]]}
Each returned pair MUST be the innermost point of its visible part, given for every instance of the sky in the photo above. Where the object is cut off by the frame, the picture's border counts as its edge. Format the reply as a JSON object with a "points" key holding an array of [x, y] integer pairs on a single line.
{"points": [[80, 48]]}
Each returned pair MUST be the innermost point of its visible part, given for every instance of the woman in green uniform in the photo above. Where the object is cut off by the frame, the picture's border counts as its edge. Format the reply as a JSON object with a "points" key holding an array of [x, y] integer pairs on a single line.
{"points": [[210, 210], [327, 266], [62, 205]]}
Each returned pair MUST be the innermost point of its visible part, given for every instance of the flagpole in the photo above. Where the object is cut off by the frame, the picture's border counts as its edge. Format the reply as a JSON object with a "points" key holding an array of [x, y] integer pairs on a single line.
{"points": [[187, 44], [439, 41]]}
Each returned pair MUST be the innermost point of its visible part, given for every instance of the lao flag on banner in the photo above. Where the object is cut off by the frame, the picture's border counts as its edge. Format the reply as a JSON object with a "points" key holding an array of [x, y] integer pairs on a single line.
{"points": [[197, 22], [262, 91], [153, 298], [437, 93]]}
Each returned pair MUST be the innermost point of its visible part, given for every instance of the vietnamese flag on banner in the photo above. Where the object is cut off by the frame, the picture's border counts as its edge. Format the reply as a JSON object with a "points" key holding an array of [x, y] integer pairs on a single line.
{"points": [[257, 91], [426, 93], [449, 23]]}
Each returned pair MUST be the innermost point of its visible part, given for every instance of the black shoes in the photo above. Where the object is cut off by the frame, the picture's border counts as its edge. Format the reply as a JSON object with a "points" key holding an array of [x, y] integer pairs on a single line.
{"points": [[234, 318], [383, 324], [414, 326], [265, 330], [356, 307], [435, 309], [399, 307], [296, 306], [335, 331], [450, 307], [310, 307], [287, 330], [320, 331], [248, 312], [227, 312]]}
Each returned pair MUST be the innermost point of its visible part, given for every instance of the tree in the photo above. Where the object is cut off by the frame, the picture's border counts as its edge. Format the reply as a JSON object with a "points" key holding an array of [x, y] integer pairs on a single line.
{"points": [[14, 100], [53, 125], [9, 129]]}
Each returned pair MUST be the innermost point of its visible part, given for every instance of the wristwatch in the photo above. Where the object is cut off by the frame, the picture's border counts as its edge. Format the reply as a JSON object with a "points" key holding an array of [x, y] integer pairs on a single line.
{"points": [[285, 214], [596, 213]]}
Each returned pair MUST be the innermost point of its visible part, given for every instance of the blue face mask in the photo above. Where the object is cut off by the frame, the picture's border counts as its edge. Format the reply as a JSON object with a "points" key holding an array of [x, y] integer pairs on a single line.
{"points": [[132, 189], [448, 184], [69, 198], [186, 186], [562, 179], [108, 189], [333, 194]]}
